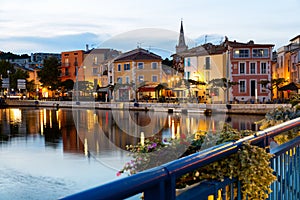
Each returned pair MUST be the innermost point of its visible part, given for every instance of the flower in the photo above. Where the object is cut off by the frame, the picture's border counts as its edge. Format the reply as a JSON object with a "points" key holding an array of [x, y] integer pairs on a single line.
{"points": [[119, 173]]}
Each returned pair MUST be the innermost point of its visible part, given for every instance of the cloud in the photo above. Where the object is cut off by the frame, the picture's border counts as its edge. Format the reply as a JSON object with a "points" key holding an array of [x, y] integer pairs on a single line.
{"points": [[55, 44]]}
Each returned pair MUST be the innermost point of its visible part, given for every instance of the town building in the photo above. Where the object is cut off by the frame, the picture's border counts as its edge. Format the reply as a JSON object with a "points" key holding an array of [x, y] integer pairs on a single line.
{"points": [[72, 65], [287, 67], [133, 70], [249, 64], [203, 64], [40, 57], [96, 62]]}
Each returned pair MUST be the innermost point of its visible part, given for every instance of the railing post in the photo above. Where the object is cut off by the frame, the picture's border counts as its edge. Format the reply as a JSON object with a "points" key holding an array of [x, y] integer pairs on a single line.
{"points": [[156, 192]]}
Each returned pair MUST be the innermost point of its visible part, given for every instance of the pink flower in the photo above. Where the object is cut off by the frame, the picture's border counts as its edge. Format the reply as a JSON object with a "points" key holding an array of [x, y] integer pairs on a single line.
{"points": [[118, 173]]}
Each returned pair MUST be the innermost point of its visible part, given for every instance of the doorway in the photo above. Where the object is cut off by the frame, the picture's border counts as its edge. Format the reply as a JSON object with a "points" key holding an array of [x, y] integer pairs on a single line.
{"points": [[252, 87]]}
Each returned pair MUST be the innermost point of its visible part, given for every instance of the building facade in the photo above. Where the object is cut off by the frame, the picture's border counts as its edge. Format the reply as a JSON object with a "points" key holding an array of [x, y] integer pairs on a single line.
{"points": [[203, 64], [72, 65], [250, 64], [134, 69], [287, 67]]}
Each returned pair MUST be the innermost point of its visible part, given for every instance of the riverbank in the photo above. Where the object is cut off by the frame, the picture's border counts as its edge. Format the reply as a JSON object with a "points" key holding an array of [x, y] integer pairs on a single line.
{"points": [[260, 109]]}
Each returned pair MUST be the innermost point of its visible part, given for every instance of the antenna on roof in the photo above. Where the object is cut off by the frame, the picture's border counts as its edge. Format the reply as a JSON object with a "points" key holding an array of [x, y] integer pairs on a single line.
{"points": [[139, 44]]}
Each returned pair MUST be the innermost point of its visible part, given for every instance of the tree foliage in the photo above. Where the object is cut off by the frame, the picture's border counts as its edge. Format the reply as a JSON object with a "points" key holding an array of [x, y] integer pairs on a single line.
{"points": [[222, 83], [18, 74], [49, 74], [273, 84]]}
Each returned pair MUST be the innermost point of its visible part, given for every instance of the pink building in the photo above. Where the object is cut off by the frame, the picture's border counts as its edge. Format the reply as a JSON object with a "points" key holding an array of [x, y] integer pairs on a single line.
{"points": [[249, 63]]}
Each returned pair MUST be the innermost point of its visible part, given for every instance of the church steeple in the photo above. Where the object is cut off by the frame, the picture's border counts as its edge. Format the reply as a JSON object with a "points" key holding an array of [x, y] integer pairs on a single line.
{"points": [[181, 43]]}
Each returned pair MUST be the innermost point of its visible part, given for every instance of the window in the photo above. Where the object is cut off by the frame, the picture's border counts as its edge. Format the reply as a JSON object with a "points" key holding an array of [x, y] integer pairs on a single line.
{"points": [[187, 75], [95, 71], [154, 79], [242, 68], [263, 68], [140, 65], [67, 72], [127, 66], [242, 87], [207, 63], [214, 92], [127, 79], [263, 87], [154, 65], [141, 78], [67, 64], [119, 80], [241, 53], [119, 67], [260, 53], [188, 62], [95, 60], [252, 68]]}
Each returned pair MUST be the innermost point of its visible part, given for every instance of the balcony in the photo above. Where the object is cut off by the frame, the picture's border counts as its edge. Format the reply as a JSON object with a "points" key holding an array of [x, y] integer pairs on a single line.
{"points": [[65, 65]]}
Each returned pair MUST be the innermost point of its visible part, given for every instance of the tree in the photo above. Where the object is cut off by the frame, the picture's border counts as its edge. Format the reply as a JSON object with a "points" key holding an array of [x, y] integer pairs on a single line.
{"points": [[273, 84], [4, 68], [49, 74], [18, 74], [222, 83]]}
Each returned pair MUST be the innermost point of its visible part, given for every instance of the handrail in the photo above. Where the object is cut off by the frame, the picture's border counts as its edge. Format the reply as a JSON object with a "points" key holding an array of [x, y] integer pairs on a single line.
{"points": [[159, 178]]}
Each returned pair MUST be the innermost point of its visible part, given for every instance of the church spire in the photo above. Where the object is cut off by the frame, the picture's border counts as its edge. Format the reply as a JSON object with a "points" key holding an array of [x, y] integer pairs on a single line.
{"points": [[181, 43]]}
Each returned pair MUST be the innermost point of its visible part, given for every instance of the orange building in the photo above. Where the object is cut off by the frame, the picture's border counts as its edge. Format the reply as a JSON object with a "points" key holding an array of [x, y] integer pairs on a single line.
{"points": [[70, 62]]}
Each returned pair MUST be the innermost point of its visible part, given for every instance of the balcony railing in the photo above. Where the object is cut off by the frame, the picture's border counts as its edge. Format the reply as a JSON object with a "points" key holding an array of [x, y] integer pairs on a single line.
{"points": [[65, 65]]}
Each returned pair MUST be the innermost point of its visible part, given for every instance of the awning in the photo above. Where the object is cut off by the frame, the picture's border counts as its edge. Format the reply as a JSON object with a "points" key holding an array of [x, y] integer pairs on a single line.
{"points": [[147, 88], [180, 89], [290, 86]]}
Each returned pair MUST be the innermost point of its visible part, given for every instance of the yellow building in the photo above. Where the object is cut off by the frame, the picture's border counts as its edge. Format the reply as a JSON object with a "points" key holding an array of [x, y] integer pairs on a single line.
{"points": [[96, 63], [203, 64], [136, 74]]}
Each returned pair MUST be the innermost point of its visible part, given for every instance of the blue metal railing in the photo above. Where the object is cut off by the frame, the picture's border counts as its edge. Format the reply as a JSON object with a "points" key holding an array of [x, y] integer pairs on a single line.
{"points": [[159, 182]]}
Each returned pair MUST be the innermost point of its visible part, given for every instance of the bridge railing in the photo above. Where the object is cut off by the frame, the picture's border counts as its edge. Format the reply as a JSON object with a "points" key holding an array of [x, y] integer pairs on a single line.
{"points": [[159, 182]]}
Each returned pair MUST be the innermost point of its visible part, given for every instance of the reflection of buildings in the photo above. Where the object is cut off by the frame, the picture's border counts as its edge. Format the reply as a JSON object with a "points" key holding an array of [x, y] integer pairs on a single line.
{"points": [[103, 131], [244, 123]]}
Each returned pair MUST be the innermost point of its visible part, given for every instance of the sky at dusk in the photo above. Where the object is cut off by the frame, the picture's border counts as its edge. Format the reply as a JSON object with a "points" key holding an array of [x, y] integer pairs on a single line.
{"points": [[63, 25]]}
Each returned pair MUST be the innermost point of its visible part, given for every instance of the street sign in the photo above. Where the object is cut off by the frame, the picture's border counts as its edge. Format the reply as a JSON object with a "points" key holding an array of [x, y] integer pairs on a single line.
{"points": [[5, 83], [21, 83]]}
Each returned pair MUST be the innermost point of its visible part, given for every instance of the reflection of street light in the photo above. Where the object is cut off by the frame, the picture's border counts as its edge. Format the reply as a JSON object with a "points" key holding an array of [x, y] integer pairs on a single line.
{"points": [[8, 87], [84, 67], [77, 92]]}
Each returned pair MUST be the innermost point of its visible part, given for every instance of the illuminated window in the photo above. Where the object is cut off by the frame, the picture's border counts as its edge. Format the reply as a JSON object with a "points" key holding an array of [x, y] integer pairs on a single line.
{"points": [[260, 53], [241, 53], [141, 78]]}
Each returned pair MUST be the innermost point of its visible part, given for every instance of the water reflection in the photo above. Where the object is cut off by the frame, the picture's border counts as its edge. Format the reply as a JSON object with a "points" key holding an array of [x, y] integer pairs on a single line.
{"points": [[103, 131]]}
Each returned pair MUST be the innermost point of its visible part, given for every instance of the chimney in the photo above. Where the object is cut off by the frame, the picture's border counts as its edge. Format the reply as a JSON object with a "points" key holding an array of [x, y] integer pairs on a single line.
{"points": [[86, 47]]}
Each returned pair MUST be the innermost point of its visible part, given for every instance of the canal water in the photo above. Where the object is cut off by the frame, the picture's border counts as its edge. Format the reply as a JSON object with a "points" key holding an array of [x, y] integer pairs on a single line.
{"points": [[49, 153]]}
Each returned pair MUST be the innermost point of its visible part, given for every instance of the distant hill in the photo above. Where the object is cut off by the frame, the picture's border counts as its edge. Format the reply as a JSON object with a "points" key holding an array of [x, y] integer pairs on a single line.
{"points": [[9, 55]]}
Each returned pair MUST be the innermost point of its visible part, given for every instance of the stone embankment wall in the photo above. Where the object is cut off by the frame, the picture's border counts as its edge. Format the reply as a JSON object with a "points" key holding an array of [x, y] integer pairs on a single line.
{"points": [[158, 107]]}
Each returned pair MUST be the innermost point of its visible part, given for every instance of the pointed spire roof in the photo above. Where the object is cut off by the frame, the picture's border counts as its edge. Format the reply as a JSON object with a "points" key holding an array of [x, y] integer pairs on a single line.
{"points": [[181, 43]]}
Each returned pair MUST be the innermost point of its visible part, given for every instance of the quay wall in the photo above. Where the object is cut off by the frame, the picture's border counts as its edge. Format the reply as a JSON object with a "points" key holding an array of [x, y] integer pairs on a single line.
{"points": [[157, 107]]}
